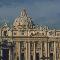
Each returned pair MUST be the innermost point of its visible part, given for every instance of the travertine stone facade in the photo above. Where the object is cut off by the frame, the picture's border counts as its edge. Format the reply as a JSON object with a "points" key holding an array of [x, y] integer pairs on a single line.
{"points": [[27, 41]]}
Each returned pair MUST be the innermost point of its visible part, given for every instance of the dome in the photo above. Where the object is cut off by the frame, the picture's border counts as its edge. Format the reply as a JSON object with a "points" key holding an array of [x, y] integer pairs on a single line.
{"points": [[23, 19]]}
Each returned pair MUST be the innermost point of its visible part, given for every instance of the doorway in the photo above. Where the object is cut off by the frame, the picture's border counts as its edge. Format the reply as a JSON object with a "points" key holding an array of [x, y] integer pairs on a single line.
{"points": [[22, 56], [5, 54], [37, 56], [51, 56], [31, 57]]}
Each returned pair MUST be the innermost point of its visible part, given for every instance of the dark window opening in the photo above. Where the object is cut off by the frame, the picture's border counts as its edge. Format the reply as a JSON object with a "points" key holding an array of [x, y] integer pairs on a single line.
{"points": [[17, 58], [31, 57], [5, 33], [14, 33], [5, 54], [22, 33], [37, 56], [22, 56], [51, 56]]}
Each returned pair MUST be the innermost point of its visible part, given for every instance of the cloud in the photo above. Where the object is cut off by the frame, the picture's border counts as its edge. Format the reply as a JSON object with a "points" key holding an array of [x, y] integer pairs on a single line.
{"points": [[42, 11], [14, 2], [18, 2]]}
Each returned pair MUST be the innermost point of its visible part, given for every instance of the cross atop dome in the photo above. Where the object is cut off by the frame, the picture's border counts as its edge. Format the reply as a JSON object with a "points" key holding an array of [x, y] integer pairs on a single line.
{"points": [[23, 12]]}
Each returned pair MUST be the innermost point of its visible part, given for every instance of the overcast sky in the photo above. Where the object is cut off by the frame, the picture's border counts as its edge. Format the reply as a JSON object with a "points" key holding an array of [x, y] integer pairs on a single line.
{"points": [[43, 12]]}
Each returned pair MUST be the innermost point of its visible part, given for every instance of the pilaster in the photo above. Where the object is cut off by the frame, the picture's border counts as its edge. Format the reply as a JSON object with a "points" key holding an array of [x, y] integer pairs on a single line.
{"points": [[41, 51], [54, 54], [1, 53], [28, 50], [48, 51], [9, 54], [26, 57], [34, 58], [19, 53]]}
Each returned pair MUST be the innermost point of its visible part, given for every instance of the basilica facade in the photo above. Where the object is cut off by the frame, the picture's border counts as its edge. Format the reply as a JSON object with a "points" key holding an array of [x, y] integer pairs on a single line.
{"points": [[27, 41]]}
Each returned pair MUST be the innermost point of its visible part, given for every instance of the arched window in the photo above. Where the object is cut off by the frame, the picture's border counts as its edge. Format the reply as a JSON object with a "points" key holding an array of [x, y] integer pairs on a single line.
{"points": [[5, 33]]}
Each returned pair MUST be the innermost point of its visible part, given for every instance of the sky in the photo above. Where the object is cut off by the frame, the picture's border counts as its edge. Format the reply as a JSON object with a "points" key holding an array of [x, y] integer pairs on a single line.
{"points": [[43, 12]]}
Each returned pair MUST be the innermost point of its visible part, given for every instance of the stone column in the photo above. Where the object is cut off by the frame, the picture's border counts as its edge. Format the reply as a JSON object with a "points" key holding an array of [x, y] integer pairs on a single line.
{"points": [[15, 52], [41, 51], [28, 50], [19, 52], [1, 53], [26, 57], [48, 51], [9, 55], [12, 53], [34, 57], [57, 51], [54, 54]]}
